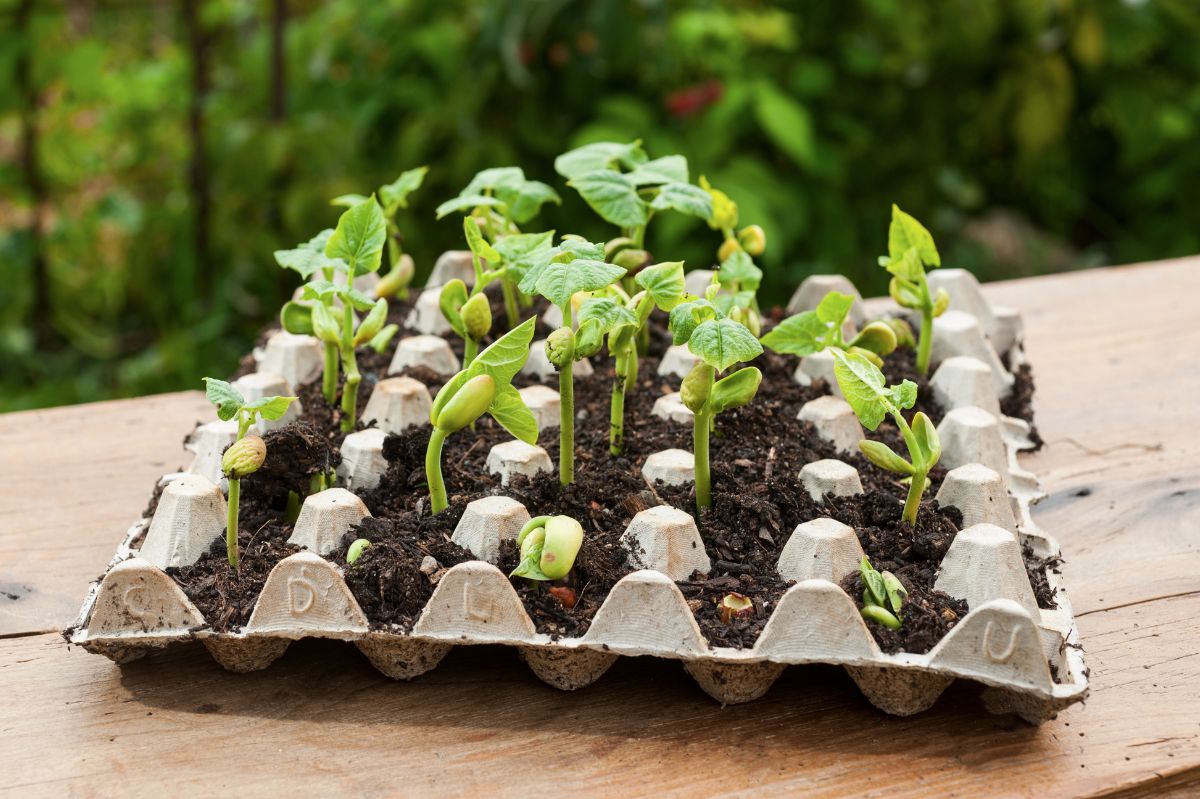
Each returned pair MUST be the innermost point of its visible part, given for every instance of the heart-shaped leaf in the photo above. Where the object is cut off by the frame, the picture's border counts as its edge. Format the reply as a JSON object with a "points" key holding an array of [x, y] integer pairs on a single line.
{"points": [[723, 342], [685, 198], [802, 334], [598, 156], [510, 411], [227, 398], [905, 233], [359, 237], [395, 194], [668, 169], [613, 196], [664, 283]]}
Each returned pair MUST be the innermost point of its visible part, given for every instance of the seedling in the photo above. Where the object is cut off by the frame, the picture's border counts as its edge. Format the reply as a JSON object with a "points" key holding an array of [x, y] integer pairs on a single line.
{"points": [[883, 596], [483, 387], [624, 318], [864, 387], [737, 274], [248, 453], [735, 606], [394, 197], [719, 342], [355, 550], [621, 184], [812, 331], [499, 201], [558, 275], [548, 545], [310, 261], [910, 252], [357, 243]]}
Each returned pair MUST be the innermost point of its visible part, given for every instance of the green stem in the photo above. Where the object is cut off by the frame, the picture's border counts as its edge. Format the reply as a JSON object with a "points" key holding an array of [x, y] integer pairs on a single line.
{"points": [[394, 254], [510, 302], [293, 507], [231, 522], [353, 378], [700, 430], [912, 503], [566, 424], [470, 348], [330, 378], [316, 483], [925, 341], [433, 471]]}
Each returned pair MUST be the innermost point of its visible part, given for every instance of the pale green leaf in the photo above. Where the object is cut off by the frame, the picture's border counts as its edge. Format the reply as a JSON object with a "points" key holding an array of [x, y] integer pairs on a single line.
{"points": [[882, 456], [270, 408], [527, 201], [802, 334], [518, 246], [395, 194], [687, 316], [739, 270], [477, 243], [863, 386], [599, 156], [559, 281], [506, 355], [227, 398], [613, 196], [348, 200], [607, 312], [723, 342], [833, 308], [664, 283], [360, 301], [668, 169], [359, 238], [685, 198], [466, 203], [510, 411], [494, 179], [906, 233]]}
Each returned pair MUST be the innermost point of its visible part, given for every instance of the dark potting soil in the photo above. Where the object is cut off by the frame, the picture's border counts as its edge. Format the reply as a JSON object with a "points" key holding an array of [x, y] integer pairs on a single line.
{"points": [[1019, 402], [927, 614], [1037, 569], [757, 452]]}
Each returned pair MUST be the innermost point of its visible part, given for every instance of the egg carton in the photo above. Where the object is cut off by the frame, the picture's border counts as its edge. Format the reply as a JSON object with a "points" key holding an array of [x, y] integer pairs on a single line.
{"points": [[1028, 659]]}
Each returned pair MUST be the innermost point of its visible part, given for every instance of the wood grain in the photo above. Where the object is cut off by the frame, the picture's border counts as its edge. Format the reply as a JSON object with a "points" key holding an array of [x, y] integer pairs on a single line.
{"points": [[1116, 392]]}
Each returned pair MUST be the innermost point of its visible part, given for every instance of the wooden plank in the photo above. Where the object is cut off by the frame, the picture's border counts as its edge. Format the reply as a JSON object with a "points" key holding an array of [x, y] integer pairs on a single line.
{"points": [[74, 479], [481, 724], [1112, 351]]}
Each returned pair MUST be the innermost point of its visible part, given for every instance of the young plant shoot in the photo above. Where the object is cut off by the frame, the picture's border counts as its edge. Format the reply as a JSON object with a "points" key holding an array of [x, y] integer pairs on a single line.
{"points": [[483, 387], [357, 243], [572, 267], [737, 274], [910, 252], [819, 329], [548, 545], [719, 342], [394, 197], [356, 550], [624, 317], [621, 184], [864, 387], [312, 264], [883, 596], [248, 453], [498, 201]]}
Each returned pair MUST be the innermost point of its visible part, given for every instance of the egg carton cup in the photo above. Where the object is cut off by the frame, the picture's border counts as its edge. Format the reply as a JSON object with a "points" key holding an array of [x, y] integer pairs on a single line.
{"points": [[1027, 659]]}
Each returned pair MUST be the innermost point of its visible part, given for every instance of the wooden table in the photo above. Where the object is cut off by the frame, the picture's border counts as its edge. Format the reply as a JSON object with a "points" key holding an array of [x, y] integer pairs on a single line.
{"points": [[1118, 389]]}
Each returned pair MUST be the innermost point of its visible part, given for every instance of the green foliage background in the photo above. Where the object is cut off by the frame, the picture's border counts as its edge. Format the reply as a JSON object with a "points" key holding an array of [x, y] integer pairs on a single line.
{"points": [[1031, 135]]}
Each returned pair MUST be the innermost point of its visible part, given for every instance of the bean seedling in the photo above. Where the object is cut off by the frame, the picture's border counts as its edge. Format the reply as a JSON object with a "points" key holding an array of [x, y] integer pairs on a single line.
{"points": [[865, 388], [719, 342], [394, 197], [248, 453], [737, 274], [910, 252], [819, 329], [357, 242], [548, 546], [560, 273], [356, 550], [883, 596], [483, 387], [624, 318]]}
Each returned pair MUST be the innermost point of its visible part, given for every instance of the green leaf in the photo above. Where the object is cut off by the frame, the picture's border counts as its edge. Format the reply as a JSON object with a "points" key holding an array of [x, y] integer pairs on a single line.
{"points": [[664, 283], [270, 408], [520, 246], [896, 592], [905, 293], [309, 258], [506, 355], [466, 202], [322, 290], [903, 396], [477, 243], [927, 438], [494, 179], [668, 169], [588, 339], [882, 456], [875, 592], [599, 156], [227, 398], [606, 312], [395, 194], [559, 281], [735, 390], [613, 196], [723, 342], [360, 301], [348, 200], [739, 270], [510, 411], [802, 334], [526, 201], [906, 233], [907, 267], [862, 385], [685, 198], [687, 316], [787, 124], [372, 323], [833, 307], [451, 299], [359, 238], [325, 325]]}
